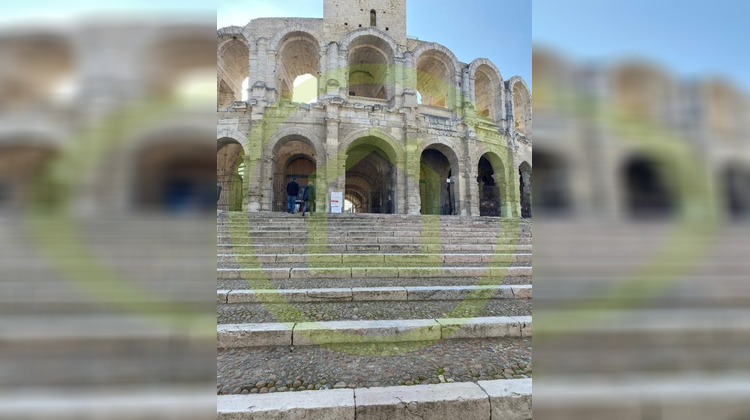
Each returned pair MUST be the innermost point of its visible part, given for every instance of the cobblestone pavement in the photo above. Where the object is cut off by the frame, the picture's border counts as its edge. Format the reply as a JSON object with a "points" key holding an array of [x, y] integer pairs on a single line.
{"points": [[280, 369], [334, 311], [365, 282]]}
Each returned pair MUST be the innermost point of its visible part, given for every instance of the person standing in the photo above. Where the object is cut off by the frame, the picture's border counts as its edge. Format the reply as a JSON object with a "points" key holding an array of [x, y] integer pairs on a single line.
{"points": [[309, 197], [292, 189]]}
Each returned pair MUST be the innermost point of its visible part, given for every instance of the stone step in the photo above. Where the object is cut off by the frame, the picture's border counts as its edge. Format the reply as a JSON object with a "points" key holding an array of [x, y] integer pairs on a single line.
{"points": [[369, 248], [369, 259], [494, 271], [361, 332], [251, 313], [370, 294], [322, 282], [139, 400], [483, 400], [287, 368], [372, 240]]}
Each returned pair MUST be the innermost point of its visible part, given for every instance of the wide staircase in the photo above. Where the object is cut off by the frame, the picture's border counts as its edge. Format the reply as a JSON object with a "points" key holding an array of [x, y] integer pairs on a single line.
{"points": [[358, 310]]}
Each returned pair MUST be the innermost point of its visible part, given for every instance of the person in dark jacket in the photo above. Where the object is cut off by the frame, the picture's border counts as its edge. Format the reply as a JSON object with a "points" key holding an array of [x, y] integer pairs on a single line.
{"points": [[292, 189], [309, 197]]}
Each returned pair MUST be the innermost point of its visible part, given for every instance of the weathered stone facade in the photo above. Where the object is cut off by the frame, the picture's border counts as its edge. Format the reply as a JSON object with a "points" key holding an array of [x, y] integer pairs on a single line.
{"points": [[399, 125], [630, 139]]}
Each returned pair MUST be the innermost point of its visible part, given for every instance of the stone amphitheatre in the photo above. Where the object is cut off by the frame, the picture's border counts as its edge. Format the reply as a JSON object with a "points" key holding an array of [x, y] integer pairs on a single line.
{"points": [[417, 300]]}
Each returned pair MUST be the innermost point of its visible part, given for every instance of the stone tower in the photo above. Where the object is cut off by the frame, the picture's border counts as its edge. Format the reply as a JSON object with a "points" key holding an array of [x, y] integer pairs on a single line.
{"points": [[342, 16]]}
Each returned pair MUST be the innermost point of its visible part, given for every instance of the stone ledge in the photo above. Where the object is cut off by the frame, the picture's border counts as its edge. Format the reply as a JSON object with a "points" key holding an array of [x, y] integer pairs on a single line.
{"points": [[371, 294], [379, 331], [499, 399], [308, 405]]}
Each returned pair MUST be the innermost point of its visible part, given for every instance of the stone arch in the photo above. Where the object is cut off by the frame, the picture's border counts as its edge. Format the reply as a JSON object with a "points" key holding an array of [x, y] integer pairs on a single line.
{"points": [[524, 183], [285, 147], [437, 69], [43, 66], [172, 168], [370, 56], [486, 90], [520, 105], [641, 90], [298, 53], [734, 177], [233, 65], [235, 135], [493, 185], [229, 158], [275, 43], [650, 187], [25, 158], [389, 145], [374, 157], [172, 59], [436, 169]]}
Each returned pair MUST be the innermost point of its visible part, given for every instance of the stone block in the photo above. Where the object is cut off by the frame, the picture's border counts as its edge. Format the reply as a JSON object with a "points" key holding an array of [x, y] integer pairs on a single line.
{"points": [[482, 327], [328, 295], [378, 293], [436, 402], [389, 331], [221, 296], [372, 259], [525, 324], [307, 405], [522, 292], [509, 398], [311, 273], [253, 335]]}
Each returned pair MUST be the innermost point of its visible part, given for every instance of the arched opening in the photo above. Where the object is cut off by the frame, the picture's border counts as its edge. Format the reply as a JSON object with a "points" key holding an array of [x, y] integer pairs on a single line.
{"points": [[434, 79], [233, 71], [491, 185], [521, 108], [37, 69], [229, 174], [370, 176], [370, 72], [737, 190], [437, 187], [305, 89], [21, 172], [647, 193], [176, 177], [486, 85], [552, 195], [298, 56], [183, 64], [373, 18], [641, 91], [524, 178], [294, 157]]}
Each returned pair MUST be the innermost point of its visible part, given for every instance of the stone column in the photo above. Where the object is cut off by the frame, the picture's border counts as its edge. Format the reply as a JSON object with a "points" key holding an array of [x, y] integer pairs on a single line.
{"points": [[411, 198], [258, 199], [471, 205], [334, 170]]}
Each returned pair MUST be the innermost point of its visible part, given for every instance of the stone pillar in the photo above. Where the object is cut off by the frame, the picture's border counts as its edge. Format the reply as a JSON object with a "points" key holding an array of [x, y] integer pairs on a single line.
{"points": [[254, 180], [333, 171], [411, 198], [471, 205]]}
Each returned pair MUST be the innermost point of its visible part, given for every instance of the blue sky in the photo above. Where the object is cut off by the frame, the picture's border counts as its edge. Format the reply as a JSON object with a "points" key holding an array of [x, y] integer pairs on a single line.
{"points": [[498, 30], [689, 39]]}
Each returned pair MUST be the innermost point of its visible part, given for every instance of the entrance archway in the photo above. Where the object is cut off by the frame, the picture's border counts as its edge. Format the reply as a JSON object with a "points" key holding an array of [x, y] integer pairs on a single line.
{"points": [[294, 157], [437, 187], [491, 179], [20, 170], [229, 174], [551, 196], [524, 178], [647, 193], [176, 177], [736, 180], [371, 176]]}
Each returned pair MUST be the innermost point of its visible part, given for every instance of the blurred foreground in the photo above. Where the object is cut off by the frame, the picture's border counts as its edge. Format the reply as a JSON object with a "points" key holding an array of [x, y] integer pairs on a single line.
{"points": [[107, 188], [641, 208]]}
